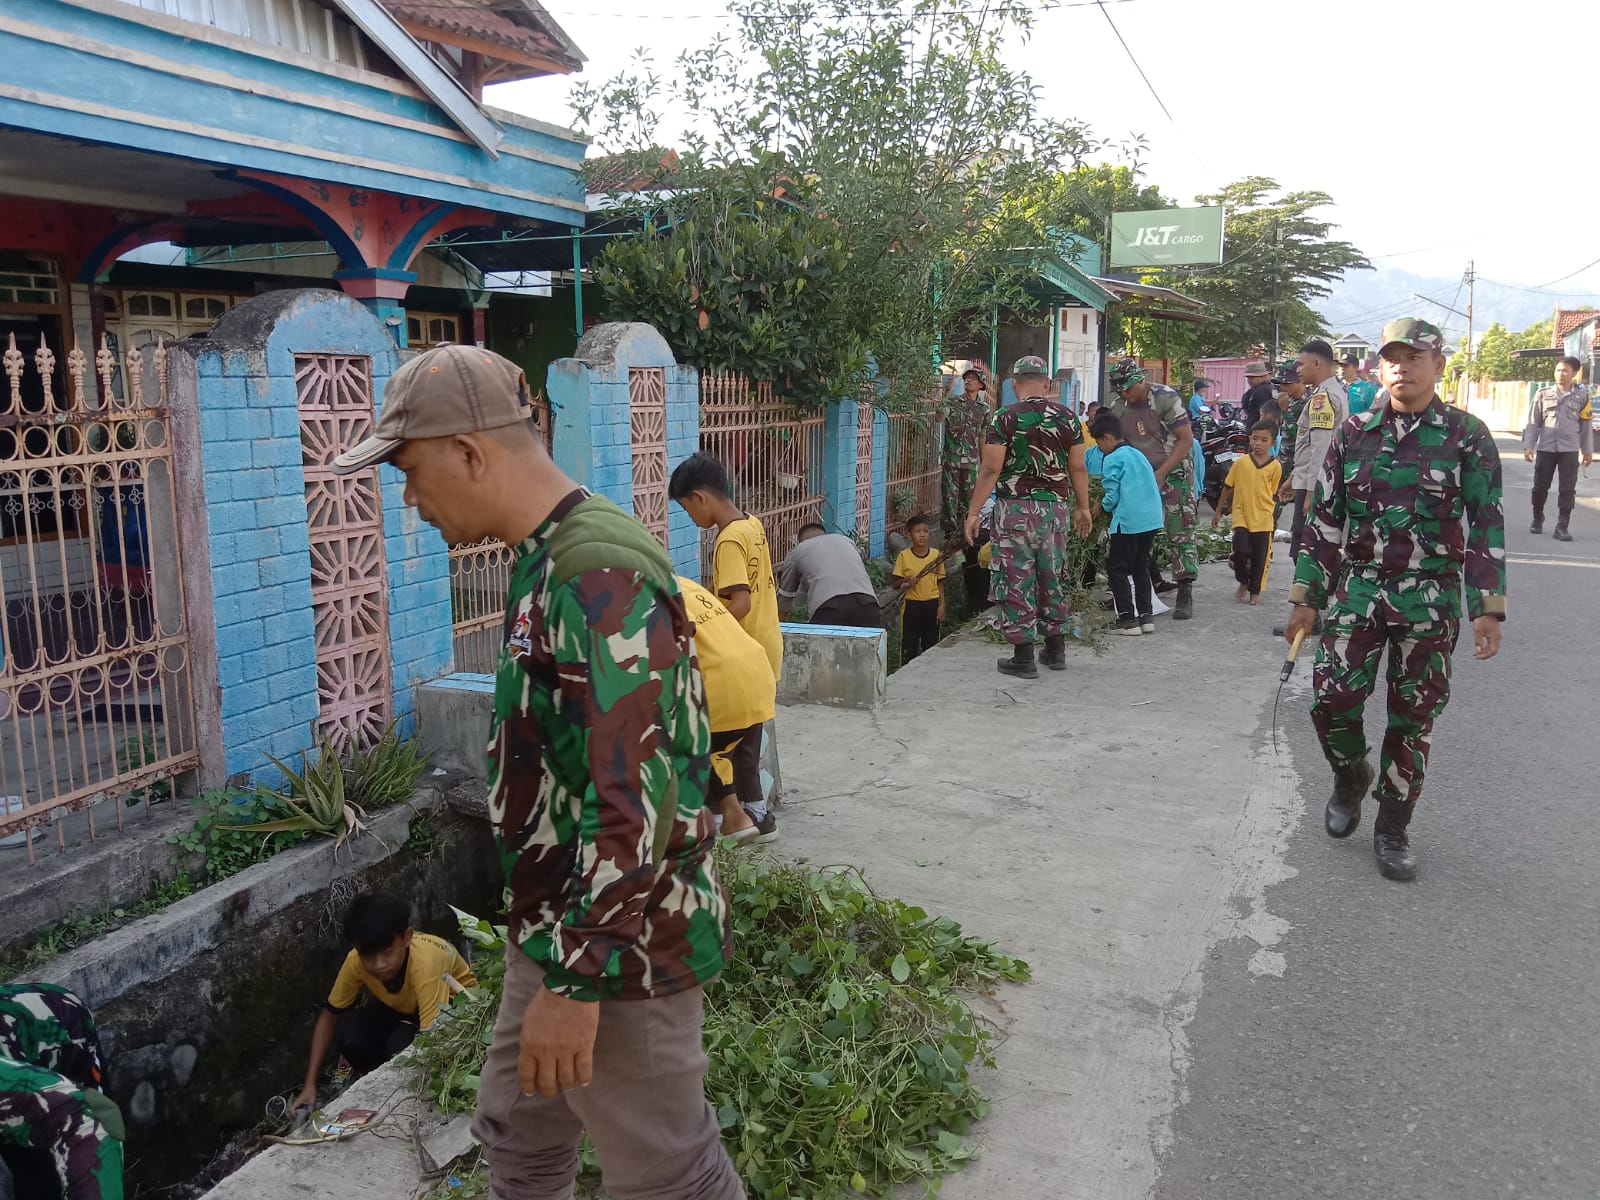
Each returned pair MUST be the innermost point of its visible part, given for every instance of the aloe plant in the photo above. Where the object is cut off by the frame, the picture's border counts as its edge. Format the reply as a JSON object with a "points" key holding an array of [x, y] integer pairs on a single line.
{"points": [[384, 773], [317, 800]]}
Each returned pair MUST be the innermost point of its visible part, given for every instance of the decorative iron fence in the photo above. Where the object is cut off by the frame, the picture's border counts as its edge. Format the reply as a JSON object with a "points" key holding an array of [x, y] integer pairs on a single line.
{"points": [[773, 454], [96, 698], [912, 484], [480, 573]]}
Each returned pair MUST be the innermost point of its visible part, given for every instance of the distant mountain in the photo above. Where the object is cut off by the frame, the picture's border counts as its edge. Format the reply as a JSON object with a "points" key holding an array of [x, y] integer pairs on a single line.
{"points": [[1365, 300]]}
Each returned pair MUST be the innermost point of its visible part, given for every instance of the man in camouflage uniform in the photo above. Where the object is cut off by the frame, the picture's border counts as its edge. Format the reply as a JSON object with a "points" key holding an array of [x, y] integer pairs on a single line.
{"points": [[1155, 420], [1032, 462], [599, 762], [60, 1135], [966, 415], [1385, 553]]}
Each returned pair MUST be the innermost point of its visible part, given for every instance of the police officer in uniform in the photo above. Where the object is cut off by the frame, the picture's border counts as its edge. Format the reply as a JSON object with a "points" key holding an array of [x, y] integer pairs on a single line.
{"points": [[1406, 512]]}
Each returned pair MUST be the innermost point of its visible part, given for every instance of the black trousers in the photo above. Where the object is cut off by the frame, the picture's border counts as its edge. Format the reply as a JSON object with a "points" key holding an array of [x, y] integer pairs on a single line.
{"points": [[1546, 464], [919, 628], [1249, 557], [370, 1034], [743, 750], [1129, 554], [1297, 525], [857, 610]]}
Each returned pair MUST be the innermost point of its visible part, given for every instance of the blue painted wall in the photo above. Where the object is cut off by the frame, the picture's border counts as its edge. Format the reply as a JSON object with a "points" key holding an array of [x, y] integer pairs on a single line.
{"points": [[149, 85], [841, 423], [259, 539], [880, 478]]}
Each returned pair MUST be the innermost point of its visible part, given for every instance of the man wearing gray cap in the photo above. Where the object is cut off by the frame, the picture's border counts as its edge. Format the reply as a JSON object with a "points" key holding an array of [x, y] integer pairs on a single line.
{"points": [[599, 761], [1259, 377]]}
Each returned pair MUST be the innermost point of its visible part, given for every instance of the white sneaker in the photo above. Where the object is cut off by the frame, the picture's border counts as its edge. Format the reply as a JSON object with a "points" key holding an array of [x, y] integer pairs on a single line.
{"points": [[1131, 631], [1148, 627], [1280, 535]]}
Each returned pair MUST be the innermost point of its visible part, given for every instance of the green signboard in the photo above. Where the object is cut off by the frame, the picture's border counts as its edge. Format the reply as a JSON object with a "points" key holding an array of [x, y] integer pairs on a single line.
{"points": [[1167, 237]]}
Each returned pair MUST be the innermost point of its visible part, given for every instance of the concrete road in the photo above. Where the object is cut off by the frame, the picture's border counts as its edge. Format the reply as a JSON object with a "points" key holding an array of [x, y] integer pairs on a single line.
{"points": [[1439, 1039]]}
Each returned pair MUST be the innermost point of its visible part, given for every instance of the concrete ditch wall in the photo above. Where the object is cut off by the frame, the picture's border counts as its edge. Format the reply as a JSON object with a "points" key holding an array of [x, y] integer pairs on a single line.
{"points": [[205, 1009]]}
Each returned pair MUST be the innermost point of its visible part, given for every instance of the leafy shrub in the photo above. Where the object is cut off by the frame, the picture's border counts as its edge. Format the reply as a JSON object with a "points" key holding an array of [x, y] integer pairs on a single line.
{"points": [[226, 830]]}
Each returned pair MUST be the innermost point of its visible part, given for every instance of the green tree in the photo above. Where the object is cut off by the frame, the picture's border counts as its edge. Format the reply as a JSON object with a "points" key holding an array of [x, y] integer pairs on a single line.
{"points": [[1280, 258], [899, 132], [1075, 206], [1494, 358]]}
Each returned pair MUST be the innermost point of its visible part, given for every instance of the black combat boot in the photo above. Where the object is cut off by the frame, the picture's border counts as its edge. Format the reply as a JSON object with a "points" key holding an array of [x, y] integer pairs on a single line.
{"points": [[1183, 606], [1538, 523], [1055, 651], [1020, 663], [1350, 786], [1391, 844], [1561, 534]]}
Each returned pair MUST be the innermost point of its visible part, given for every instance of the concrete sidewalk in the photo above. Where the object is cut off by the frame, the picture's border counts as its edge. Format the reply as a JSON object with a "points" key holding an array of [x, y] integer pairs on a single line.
{"points": [[1110, 824]]}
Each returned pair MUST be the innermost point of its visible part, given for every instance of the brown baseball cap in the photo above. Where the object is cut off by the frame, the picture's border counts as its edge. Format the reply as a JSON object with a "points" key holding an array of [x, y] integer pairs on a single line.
{"points": [[440, 393]]}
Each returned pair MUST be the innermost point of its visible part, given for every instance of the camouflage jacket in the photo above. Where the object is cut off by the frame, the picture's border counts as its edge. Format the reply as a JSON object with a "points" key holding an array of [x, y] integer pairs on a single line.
{"points": [[598, 707], [1038, 435], [1390, 504], [963, 428], [1293, 409]]}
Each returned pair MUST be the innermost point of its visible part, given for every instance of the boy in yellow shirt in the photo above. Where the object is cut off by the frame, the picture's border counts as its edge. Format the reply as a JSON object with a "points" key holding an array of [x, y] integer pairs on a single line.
{"points": [[741, 566], [741, 697], [1250, 494], [919, 572], [408, 977]]}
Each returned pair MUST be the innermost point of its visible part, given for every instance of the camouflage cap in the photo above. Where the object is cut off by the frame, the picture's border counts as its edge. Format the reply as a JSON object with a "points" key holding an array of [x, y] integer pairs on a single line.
{"points": [[1288, 373], [1125, 374], [1029, 364], [1412, 331]]}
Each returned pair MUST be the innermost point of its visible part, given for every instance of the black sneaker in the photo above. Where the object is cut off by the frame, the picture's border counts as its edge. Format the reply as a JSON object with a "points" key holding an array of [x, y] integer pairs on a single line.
{"points": [[1162, 586], [1393, 850], [768, 826], [1561, 534], [1537, 526]]}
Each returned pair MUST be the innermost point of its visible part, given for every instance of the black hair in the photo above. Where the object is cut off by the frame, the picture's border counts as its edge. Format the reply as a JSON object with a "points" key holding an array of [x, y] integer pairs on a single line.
{"points": [[1264, 427], [919, 519], [810, 525], [1319, 348], [1106, 422], [700, 472], [1273, 408], [374, 920], [1573, 361]]}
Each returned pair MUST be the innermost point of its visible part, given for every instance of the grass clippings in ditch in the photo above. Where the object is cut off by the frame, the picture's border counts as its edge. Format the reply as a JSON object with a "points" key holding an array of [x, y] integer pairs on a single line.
{"points": [[840, 1035]]}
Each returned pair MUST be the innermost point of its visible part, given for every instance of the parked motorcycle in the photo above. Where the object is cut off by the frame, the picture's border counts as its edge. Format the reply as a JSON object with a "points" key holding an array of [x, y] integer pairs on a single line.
{"points": [[1222, 441]]}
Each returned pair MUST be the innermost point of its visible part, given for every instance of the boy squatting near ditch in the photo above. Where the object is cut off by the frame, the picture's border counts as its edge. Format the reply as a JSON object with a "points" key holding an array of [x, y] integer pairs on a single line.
{"points": [[1250, 495], [741, 576], [919, 574], [408, 977], [741, 697]]}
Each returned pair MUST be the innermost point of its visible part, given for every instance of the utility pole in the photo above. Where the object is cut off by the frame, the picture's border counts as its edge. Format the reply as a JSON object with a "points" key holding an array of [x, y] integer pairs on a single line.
{"points": [[1472, 278]]}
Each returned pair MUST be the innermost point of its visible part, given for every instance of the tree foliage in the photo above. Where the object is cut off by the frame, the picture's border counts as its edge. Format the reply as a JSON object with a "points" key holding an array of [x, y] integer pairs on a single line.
{"points": [[1280, 258], [1493, 358], [896, 133]]}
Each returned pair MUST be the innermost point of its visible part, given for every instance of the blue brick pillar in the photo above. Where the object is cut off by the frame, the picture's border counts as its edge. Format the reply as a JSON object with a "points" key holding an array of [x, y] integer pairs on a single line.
{"points": [[839, 465], [880, 477], [683, 439]]}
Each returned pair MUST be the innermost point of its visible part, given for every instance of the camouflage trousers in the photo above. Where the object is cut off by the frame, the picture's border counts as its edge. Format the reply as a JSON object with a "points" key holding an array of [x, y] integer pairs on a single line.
{"points": [[58, 1131], [1179, 499], [956, 484], [1028, 569], [1415, 620]]}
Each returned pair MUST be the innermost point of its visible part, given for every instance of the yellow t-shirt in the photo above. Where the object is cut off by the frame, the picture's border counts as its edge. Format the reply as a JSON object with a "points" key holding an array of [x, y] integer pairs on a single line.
{"points": [[741, 560], [423, 991], [740, 690], [1254, 491], [909, 566]]}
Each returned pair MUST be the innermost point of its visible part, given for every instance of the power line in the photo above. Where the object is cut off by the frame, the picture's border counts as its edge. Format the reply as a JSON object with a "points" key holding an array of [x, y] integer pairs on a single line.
{"points": [[1101, 4], [987, 10], [1569, 275], [1517, 287]]}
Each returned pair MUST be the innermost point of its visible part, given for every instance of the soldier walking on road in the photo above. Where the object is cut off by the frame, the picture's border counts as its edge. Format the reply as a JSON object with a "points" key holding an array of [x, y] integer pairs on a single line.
{"points": [[966, 417], [1155, 421], [1558, 430], [1386, 555], [1032, 462]]}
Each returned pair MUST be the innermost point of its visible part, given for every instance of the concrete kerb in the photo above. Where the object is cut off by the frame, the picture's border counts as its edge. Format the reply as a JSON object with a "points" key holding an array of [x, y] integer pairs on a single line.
{"points": [[153, 947]]}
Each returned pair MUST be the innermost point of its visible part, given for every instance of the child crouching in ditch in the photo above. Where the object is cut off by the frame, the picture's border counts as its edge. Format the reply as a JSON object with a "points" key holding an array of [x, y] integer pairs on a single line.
{"points": [[407, 978]]}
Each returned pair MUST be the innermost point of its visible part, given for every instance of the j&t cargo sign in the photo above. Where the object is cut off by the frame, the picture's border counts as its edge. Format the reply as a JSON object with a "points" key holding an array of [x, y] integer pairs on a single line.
{"points": [[1167, 237]]}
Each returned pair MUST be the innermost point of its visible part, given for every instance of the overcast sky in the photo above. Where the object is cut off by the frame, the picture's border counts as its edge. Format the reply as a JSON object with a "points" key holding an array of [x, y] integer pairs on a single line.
{"points": [[1344, 97]]}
